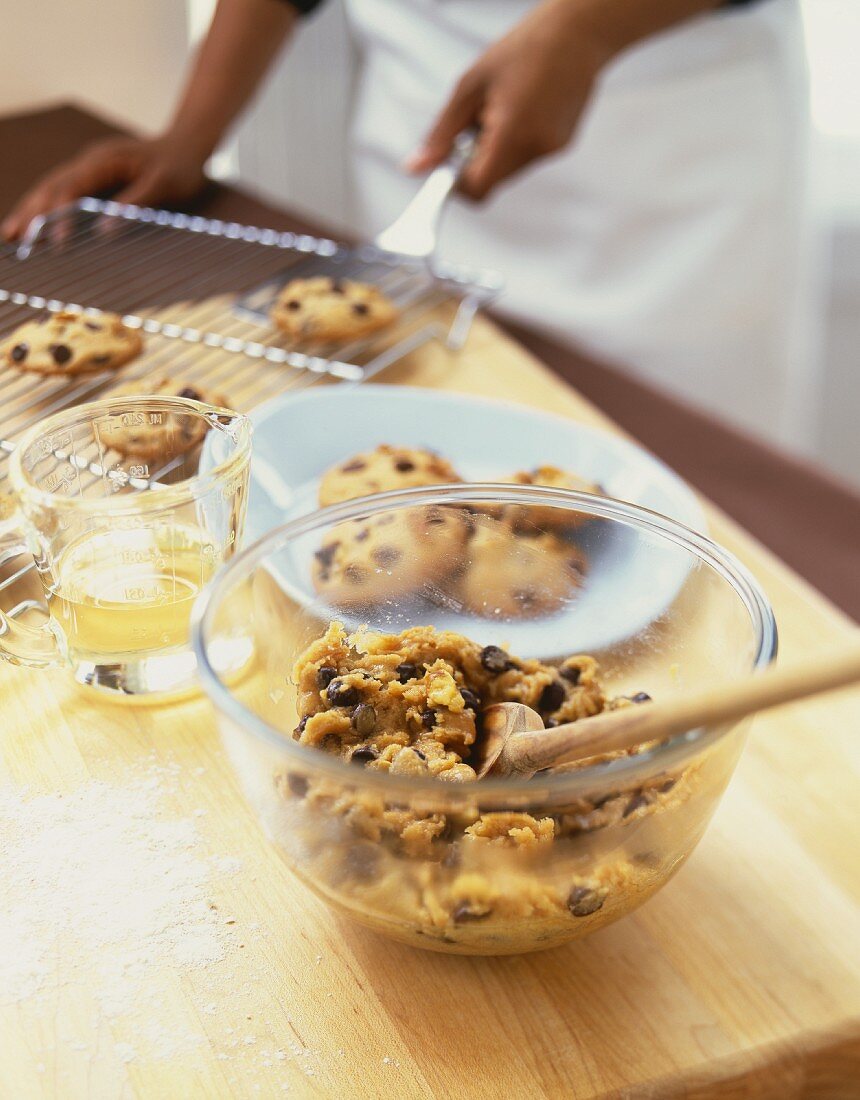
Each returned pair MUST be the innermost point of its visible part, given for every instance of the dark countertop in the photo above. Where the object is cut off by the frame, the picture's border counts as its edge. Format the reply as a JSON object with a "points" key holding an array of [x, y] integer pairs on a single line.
{"points": [[807, 518]]}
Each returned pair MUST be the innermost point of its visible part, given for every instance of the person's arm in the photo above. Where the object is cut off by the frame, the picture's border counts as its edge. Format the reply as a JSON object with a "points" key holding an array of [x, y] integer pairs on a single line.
{"points": [[526, 93], [242, 41]]}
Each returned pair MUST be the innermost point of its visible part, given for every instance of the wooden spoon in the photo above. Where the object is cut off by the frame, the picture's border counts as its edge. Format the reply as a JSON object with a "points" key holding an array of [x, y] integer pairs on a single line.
{"points": [[514, 742]]}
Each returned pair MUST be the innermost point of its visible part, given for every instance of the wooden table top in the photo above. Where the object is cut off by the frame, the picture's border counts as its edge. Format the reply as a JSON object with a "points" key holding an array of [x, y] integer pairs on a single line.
{"points": [[153, 944]]}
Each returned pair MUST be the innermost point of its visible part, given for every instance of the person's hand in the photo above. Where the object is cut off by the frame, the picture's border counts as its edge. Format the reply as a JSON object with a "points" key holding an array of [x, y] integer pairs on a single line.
{"points": [[525, 94], [146, 172]]}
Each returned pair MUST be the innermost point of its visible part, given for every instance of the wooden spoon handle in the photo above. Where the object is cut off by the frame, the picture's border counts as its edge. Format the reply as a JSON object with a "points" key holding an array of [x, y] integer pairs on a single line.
{"points": [[630, 726]]}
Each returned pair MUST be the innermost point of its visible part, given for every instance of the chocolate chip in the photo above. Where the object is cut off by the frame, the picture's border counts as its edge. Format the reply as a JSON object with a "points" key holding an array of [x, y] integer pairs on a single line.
{"points": [[325, 555], [635, 803], [298, 785], [572, 674], [92, 326], [364, 719], [640, 697], [354, 466], [552, 696], [428, 719], [386, 555], [61, 353], [362, 860], [361, 308], [364, 753], [340, 694], [407, 671], [404, 466], [434, 517], [495, 660], [470, 699], [19, 353], [325, 675], [362, 534], [103, 360], [294, 304], [464, 911], [667, 786], [421, 755], [582, 901], [337, 287], [190, 393], [300, 728], [355, 574]]}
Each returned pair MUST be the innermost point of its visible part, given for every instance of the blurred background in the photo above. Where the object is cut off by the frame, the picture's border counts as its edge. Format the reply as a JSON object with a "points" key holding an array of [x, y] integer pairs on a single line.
{"points": [[131, 69]]}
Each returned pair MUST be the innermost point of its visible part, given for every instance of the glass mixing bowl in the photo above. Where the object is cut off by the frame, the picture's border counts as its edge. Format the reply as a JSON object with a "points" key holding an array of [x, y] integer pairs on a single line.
{"points": [[496, 866]]}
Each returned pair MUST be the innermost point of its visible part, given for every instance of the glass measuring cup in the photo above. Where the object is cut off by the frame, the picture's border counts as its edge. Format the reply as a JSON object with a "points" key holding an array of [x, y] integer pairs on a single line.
{"points": [[127, 506]]}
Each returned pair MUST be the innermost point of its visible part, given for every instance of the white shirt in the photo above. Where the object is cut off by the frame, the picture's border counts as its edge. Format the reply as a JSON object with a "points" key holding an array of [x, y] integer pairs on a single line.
{"points": [[667, 237]]}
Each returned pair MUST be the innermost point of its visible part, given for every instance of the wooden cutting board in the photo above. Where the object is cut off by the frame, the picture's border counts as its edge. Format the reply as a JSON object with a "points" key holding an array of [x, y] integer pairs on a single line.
{"points": [[152, 943]]}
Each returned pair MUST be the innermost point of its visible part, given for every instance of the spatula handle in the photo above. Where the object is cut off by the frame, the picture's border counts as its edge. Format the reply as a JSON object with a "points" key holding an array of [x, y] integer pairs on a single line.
{"points": [[631, 726]]}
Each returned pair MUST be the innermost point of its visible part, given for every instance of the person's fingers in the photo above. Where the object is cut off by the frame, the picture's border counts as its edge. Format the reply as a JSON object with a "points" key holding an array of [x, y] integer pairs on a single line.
{"points": [[26, 209], [51, 195], [147, 189], [500, 151], [460, 110], [88, 174]]}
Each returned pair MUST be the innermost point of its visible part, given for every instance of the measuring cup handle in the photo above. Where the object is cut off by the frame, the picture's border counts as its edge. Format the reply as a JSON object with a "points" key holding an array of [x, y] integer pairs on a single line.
{"points": [[35, 647]]}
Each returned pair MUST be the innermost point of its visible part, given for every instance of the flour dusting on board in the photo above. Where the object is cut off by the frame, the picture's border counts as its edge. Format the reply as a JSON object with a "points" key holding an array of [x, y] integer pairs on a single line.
{"points": [[105, 881]]}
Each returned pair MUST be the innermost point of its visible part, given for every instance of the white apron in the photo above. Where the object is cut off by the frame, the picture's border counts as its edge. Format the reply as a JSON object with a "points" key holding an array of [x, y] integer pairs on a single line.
{"points": [[666, 238]]}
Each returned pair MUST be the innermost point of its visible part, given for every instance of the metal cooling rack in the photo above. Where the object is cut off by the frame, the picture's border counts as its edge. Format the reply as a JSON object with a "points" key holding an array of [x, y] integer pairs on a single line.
{"points": [[199, 290]]}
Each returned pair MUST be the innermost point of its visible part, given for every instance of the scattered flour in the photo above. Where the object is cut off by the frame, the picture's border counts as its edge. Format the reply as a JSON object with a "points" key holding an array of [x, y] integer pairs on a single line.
{"points": [[103, 890], [103, 880]]}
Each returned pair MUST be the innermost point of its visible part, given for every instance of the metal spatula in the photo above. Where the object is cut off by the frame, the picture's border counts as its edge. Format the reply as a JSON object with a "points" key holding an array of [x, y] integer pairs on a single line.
{"points": [[399, 260], [413, 235]]}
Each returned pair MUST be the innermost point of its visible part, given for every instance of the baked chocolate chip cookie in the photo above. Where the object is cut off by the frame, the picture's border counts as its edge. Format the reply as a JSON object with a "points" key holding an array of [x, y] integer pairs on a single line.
{"points": [[383, 469], [167, 436], [387, 556], [550, 477], [554, 478], [510, 574], [71, 343], [324, 310]]}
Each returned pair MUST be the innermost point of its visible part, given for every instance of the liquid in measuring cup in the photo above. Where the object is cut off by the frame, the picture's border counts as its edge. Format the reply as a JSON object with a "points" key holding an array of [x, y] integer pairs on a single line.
{"points": [[130, 591]]}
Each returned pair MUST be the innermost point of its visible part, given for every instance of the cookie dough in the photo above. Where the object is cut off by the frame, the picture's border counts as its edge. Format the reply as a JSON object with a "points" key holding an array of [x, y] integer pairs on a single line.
{"points": [[383, 469], [68, 343], [461, 879], [510, 573], [323, 310], [388, 556], [174, 434], [409, 703]]}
